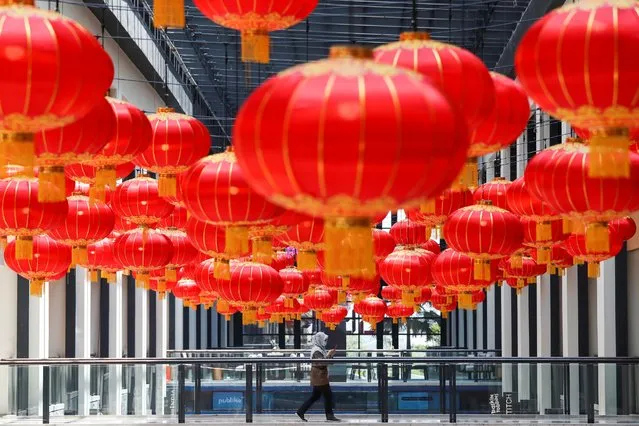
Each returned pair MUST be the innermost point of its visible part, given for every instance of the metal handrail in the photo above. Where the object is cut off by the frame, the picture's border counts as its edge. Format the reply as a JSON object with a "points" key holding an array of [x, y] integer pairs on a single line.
{"points": [[398, 351]]}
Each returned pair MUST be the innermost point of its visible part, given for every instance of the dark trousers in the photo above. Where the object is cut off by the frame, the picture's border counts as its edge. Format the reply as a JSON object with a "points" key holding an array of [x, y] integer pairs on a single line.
{"points": [[318, 392]]}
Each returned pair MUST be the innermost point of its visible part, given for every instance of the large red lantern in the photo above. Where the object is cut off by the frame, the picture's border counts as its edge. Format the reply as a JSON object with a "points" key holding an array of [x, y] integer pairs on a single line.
{"points": [[54, 73], [178, 141], [493, 191], [559, 176], [372, 309], [87, 222], [215, 190], [139, 201], [307, 238], [333, 316], [23, 216], [483, 232], [51, 260], [578, 64], [577, 246], [295, 284], [178, 219], [73, 143], [434, 212], [142, 250], [365, 110], [409, 234], [255, 20], [409, 270]]}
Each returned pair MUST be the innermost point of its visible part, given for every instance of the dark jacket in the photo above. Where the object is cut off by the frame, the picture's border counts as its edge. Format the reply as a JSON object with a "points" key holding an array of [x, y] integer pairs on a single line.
{"points": [[319, 371]]}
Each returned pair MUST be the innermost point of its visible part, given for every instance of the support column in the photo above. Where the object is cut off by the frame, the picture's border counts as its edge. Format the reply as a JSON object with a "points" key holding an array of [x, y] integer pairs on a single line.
{"points": [[470, 330], [215, 326], [38, 346], [179, 324], [570, 332], [491, 322], [141, 325], [192, 329], [204, 329], [116, 338], [479, 327], [8, 332], [83, 337], [452, 320], [606, 338], [461, 328], [162, 342], [544, 375], [506, 336], [523, 344]]}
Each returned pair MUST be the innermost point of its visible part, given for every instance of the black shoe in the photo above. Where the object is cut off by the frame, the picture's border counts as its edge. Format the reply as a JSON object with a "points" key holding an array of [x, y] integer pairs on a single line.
{"points": [[301, 416], [333, 419]]}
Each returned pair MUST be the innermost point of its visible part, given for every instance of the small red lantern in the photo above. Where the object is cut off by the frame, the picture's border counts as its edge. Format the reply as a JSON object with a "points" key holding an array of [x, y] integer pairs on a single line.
{"points": [[307, 238], [372, 309], [183, 252], [520, 201], [295, 284], [431, 246], [410, 234], [51, 260], [138, 200], [577, 246], [204, 275], [333, 316], [224, 308], [543, 245], [560, 259], [434, 212], [383, 244], [453, 271], [360, 288], [319, 299], [392, 293], [523, 274], [625, 227], [142, 250], [493, 191], [443, 302], [176, 220], [409, 270], [102, 258], [281, 260], [188, 290], [398, 312]]}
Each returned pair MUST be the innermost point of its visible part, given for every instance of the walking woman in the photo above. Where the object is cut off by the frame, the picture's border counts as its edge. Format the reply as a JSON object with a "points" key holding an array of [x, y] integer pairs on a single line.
{"points": [[319, 379]]}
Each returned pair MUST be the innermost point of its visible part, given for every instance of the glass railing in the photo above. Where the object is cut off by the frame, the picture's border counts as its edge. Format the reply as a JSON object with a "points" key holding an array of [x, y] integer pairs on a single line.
{"points": [[579, 389]]}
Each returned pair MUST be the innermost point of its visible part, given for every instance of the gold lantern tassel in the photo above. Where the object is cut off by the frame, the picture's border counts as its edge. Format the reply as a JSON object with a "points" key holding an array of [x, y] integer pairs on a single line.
{"points": [[593, 269], [170, 274], [578, 260], [516, 261], [341, 297], [106, 176], [609, 154], [167, 184], [464, 301], [543, 231], [161, 286], [161, 295], [262, 250], [111, 277], [141, 279], [36, 288], [469, 175], [3, 242], [521, 283], [97, 193], [532, 280], [349, 247], [18, 148], [168, 14], [394, 320], [427, 207], [93, 275], [551, 269], [597, 238], [55, 188], [237, 239], [222, 270], [561, 271], [186, 303], [518, 291], [543, 255], [306, 260], [567, 225], [79, 255], [444, 314], [478, 269], [256, 46], [408, 298], [24, 248]]}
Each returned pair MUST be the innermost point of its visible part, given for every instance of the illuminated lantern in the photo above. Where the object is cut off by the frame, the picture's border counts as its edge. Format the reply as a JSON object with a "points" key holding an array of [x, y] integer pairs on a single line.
{"points": [[431, 246], [295, 284], [54, 73], [276, 141], [409, 234], [543, 245], [85, 173], [372, 309], [598, 201], [142, 250], [334, 316], [444, 303], [578, 64], [625, 227], [408, 270], [51, 260], [434, 212], [87, 222], [188, 291], [73, 143], [383, 244], [521, 202], [319, 299], [215, 190], [176, 220], [255, 20], [493, 191], [483, 232], [398, 312], [23, 216], [519, 276], [138, 201], [307, 238], [459, 74], [454, 272], [102, 258], [183, 252], [252, 287], [177, 141], [576, 245], [132, 136]]}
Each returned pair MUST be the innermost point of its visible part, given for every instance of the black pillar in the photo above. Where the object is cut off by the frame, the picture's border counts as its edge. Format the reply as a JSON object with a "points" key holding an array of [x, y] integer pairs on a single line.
{"points": [[104, 317], [281, 335], [297, 334], [238, 337], [130, 315], [152, 314], [69, 314], [171, 320]]}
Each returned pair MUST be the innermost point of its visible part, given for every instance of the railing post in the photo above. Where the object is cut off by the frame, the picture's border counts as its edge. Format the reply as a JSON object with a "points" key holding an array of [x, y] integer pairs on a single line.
{"points": [[566, 388], [46, 375], [181, 394], [382, 391], [453, 394], [442, 388], [248, 393], [259, 370], [588, 384], [197, 372]]}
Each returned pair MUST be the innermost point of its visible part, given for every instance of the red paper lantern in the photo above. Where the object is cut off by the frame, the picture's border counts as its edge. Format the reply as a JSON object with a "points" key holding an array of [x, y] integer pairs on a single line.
{"points": [[101, 257], [549, 239], [410, 234], [431, 246], [578, 64], [424, 296], [577, 246], [434, 212], [559, 176], [138, 200], [307, 238], [560, 259], [54, 73], [493, 191], [74, 143], [334, 316], [183, 252], [483, 232], [295, 284], [520, 201], [187, 290], [408, 270], [392, 293], [176, 220], [360, 288], [383, 244], [23, 216], [281, 260], [132, 136], [215, 190], [372, 309], [142, 250], [51, 260], [255, 20], [625, 227], [224, 308], [443, 302], [86, 223], [398, 312], [177, 141], [522, 274], [203, 274], [365, 110], [319, 299], [453, 271]]}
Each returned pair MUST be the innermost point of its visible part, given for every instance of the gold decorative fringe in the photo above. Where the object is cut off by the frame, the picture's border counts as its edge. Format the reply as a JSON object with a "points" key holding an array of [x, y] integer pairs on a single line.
{"points": [[237, 241], [395, 320], [97, 193], [55, 190], [593, 269], [306, 260], [186, 303], [18, 148], [427, 207], [36, 288], [170, 274], [256, 47], [223, 305], [468, 177], [349, 247], [3, 242], [597, 238], [518, 291], [161, 286], [408, 298], [262, 250], [79, 255], [543, 255], [516, 261], [106, 176], [532, 280], [93, 275], [444, 314], [142, 279], [465, 301], [126, 272], [167, 184], [551, 269], [578, 260], [168, 14], [111, 277], [482, 270], [543, 231], [609, 155], [24, 248], [222, 270]]}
